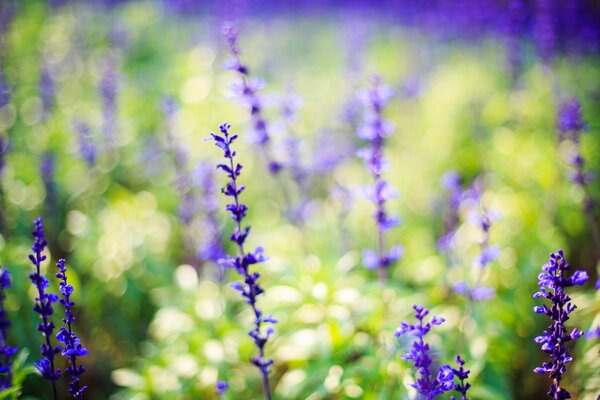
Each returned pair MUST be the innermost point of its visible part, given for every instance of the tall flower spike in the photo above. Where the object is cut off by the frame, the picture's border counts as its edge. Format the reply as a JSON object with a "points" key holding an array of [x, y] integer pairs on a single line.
{"points": [[247, 90], [426, 385], [552, 282], [6, 352], [462, 375], [72, 344], [374, 130], [43, 306], [250, 288], [570, 126]]}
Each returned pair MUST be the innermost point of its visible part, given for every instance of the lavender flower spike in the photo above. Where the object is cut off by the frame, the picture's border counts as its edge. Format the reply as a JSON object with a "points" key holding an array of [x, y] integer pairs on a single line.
{"points": [[73, 347], [43, 306], [6, 352], [250, 288], [248, 91], [570, 125], [374, 130], [552, 282], [419, 354], [462, 376], [221, 388]]}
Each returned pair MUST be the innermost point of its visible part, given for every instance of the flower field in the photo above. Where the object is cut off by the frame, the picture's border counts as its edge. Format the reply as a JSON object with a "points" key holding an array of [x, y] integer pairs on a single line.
{"points": [[420, 179]]}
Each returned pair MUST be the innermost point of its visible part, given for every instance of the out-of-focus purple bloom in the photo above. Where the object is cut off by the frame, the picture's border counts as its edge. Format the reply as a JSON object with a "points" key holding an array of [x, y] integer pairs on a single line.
{"points": [[87, 147], [593, 333], [570, 125], [211, 247], [475, 293], [221, 387], [242, 262], [514, 31], [374, 130], [43, 306], [488, 253], [247, 90], [452, 183], [4, 90], [46, 89], [425, 384], [544, 29], [570, 122], [47, 165], [72, 344], [3, 152], [109, 87], [552, 282], [7, 352], [462, 374]]}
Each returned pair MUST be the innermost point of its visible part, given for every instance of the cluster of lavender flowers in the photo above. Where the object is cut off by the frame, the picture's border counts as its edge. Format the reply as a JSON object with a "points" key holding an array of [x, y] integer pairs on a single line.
{"points": [[482, 219], [419, 354], [248, 89], [250, 288], [87, 147], [72, 344], [570, 126], [210, 248], [7, 351], [552, 282], [374, 131], [108, 89]]}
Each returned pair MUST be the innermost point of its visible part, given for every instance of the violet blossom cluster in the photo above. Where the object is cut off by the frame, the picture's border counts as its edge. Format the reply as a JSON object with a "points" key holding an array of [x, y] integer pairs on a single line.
{"points": [[210, 248], [248, 89], [7, 351], [483, 219], [43, 306], [46, 89], [374, 131], [87, 147], [462, 375], [72, 343], [419, 354], [249, 288], [108, 89], [570, 126], [553, 281]]}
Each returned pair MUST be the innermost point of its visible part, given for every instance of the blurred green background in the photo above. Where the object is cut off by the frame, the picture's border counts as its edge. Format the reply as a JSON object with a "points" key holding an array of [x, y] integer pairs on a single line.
{"points": [[160, 324]]}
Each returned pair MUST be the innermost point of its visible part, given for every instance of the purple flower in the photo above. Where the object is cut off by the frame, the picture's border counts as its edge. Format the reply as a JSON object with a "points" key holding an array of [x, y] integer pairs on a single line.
{"points": [[221, 387], [4, 91], [47, 166], [544, 29], [72, 344], [6, 352], [87, 147], [462, 376], [452, 183], [570, 122], [247, 90], [570, 125], [426, 385], [374, 130], [210, 248], [250, 288], [108, 88], [3, 152], [46, 89], [43, 306], [552, 282]]}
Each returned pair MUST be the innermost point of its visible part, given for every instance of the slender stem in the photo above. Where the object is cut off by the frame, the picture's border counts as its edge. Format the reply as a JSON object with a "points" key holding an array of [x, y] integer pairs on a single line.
{"points": [[45, 321], [251, 294]]}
